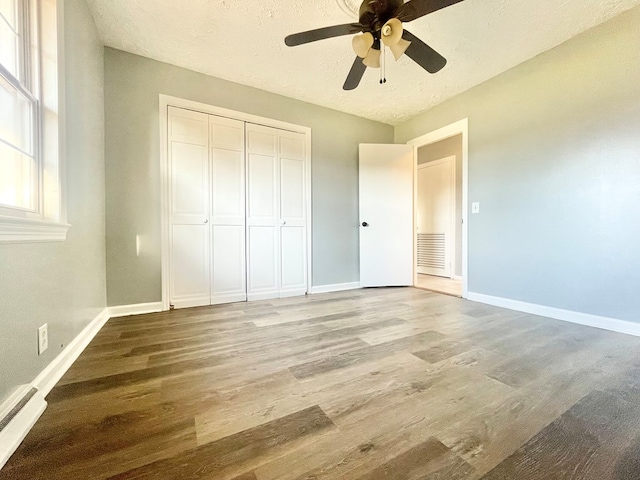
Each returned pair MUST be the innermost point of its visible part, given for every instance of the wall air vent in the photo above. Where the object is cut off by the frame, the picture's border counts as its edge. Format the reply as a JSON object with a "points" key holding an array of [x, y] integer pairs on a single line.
{"points": [[431, 250], [16, 406]]}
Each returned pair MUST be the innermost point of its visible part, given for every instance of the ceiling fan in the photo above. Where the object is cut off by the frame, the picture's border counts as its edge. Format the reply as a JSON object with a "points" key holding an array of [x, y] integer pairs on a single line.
{"points": [[380, 24]]}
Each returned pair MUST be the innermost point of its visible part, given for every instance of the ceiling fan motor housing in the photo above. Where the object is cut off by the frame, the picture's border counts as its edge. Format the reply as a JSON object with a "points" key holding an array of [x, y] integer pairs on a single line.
{"points": [[374, 14], [380, 24]]}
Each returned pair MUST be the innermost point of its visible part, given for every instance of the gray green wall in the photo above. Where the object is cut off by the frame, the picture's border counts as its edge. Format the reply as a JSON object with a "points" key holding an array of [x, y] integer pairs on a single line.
{"points": [[554, 160], [132, 87], [449, 147], [62, 284]]}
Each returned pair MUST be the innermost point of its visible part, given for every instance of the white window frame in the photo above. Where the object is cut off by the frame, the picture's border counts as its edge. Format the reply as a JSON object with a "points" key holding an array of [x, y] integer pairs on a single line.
{"points": [[47, 222]]}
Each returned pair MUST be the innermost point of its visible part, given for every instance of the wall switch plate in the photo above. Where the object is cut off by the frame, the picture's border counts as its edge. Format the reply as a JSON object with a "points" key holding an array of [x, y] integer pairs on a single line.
{"points": [[43, 338], [475, 207]]}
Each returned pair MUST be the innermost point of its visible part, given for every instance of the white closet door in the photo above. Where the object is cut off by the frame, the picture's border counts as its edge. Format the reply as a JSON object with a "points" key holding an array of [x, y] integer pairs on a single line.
{"points": [[228, 266], [293, 239], [263, 233], [189, 208]]}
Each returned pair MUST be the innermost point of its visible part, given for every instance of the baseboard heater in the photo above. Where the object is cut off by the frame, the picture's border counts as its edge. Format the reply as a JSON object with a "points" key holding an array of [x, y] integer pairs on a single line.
{"points": [[16, 409]]}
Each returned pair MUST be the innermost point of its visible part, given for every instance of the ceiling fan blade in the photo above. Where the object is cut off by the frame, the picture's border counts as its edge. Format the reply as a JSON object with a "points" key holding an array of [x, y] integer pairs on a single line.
{"points": [[419, 8], [322, 33], [423, 54], [355, 75]]}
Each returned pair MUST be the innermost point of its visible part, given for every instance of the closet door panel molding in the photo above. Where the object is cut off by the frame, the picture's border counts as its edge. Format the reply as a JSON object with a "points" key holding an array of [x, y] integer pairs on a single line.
{"points": [[263, 237], [189, 193], [190, 266], [293, 224], [228, 258], [228, 282]]}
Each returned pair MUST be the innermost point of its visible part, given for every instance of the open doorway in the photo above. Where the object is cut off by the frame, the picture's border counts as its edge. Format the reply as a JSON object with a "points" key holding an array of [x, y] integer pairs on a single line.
{"points": [[439, 216], [440, 256]]}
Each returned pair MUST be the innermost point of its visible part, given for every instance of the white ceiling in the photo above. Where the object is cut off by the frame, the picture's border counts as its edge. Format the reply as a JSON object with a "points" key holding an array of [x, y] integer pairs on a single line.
{"points": [[243, 41]]}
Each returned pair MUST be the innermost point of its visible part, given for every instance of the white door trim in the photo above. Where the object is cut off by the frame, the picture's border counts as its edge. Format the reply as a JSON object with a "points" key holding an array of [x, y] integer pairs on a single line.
{"points": [[460, 127], [454, 236], [165, 101]]}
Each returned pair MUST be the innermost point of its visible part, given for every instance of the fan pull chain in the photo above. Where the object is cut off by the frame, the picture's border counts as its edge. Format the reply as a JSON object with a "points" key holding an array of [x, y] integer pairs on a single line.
{"points": [[383, 68]]}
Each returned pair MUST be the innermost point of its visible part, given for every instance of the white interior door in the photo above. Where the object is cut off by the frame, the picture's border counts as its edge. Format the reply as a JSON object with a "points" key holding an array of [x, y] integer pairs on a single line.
{"points": [[189, 208], [263, 215], [228, 255], [435, 216], [386, 215]]}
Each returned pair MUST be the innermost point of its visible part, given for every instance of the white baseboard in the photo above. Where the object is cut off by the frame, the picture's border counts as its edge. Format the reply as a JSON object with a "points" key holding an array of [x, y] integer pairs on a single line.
{"points": [[138, 309], [15, 432], [18, 428], [338, 287], [59, 366], [457, 277], [605, 323]]}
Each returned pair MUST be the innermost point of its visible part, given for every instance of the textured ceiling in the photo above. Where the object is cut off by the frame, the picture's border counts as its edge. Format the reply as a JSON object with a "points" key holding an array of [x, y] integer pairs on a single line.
{"points": [[242, 41]]}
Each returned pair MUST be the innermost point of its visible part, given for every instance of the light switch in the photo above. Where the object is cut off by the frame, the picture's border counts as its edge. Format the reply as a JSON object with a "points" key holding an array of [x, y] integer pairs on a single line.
{"points": [[475, 207]]}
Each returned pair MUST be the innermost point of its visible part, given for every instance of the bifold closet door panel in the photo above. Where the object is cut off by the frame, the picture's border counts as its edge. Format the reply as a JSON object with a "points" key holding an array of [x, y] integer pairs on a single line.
{"points": [[190, 266], [228, 264], [263, 235], [189, 193], [293, 239]]}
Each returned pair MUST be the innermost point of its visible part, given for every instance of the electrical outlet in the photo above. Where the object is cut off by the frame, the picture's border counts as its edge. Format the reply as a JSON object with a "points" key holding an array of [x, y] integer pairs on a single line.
{"points": [[43, 338]]}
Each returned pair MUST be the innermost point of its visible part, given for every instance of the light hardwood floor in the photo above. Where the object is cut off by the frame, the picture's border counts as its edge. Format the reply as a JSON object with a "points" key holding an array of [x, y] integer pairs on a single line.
{"points": [[399, 384], [440, 285]]}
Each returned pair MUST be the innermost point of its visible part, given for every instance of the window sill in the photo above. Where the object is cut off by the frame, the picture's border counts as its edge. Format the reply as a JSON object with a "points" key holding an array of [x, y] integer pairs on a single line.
{"points": [[19, 230]]}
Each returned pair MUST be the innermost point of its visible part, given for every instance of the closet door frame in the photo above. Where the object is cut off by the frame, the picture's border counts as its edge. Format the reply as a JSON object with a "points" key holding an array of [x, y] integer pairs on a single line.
{"points": [[166, 101]]}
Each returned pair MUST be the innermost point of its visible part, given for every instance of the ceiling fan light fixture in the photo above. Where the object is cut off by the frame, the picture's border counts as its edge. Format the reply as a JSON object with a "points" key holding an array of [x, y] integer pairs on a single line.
{"points": [[374, 36], [399, 48], [362, 44], [391, 32], [372, 60]]}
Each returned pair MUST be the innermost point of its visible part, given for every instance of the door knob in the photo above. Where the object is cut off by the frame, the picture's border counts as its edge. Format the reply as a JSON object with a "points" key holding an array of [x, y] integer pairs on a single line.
{"points": [[365, 224], [206, 220], [284, 222]]}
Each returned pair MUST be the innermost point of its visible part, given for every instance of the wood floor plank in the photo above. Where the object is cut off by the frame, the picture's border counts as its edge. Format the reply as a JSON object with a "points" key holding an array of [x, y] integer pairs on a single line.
{"points": [[497, 429], [486, 434], [279, 395], [135, 377], [369, 353], [430, 460], [101, 449], [277, 347], [246, 476], [211, 460], [529, 363], [90, 368], [218, 343], [443, 350], [591, 441]]}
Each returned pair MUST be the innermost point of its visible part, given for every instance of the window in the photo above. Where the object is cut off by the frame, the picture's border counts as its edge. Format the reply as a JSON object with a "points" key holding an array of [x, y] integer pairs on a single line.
{"points": [[30, 194]]}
